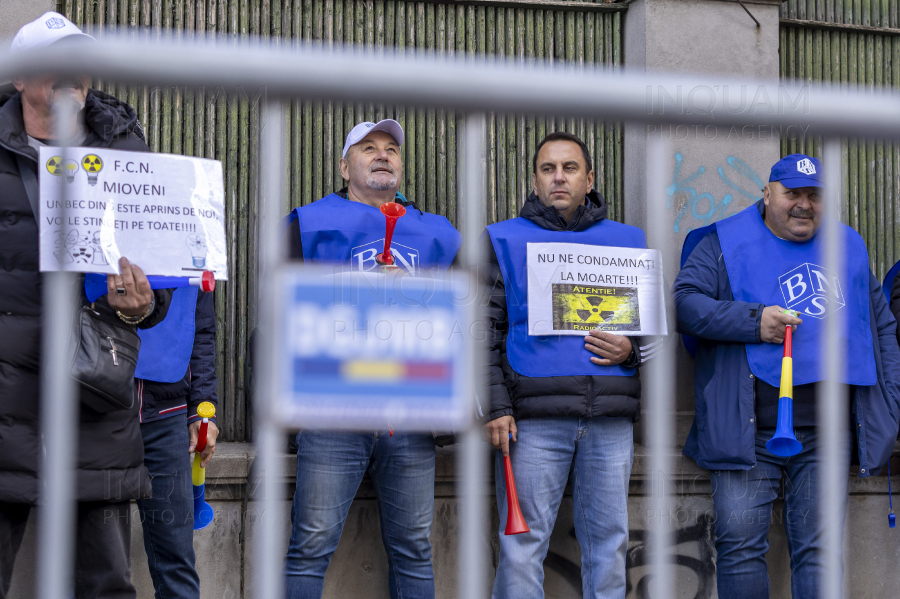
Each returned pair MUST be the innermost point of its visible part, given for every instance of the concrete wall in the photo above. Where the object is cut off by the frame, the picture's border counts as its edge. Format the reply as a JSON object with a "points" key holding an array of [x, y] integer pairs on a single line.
{"points": [[359, 567], [15, 13]]}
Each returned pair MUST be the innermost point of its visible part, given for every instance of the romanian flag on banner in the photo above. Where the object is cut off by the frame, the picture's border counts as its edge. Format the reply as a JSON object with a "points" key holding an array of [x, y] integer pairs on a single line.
{"points": [[414, 377]]}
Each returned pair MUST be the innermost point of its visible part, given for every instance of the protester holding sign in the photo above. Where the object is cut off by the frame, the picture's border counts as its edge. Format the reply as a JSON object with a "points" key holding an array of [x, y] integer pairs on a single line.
{"points": [[564, 387], [99, 203], [110, 471], [348, 228], [732, 294]]}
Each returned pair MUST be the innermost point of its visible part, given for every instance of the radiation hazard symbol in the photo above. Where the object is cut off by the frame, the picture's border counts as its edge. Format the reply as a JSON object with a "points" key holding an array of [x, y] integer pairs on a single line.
{"points": [[588, 307], [55, 166], [91, 163]]}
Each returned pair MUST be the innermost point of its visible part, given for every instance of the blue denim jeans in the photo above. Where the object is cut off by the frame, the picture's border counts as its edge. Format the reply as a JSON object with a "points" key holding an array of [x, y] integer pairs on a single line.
{"points": [[330, 468], [743, 502], [168, 517], [597, 454]]}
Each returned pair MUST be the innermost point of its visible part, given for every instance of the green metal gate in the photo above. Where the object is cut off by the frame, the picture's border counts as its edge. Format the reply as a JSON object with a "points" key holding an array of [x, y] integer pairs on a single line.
{"points": [[855, 43], [224, 124]]}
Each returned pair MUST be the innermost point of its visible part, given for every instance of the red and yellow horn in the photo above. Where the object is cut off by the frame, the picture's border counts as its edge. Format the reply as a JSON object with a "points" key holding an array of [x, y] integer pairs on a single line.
{"points": [[783, 443], [203, 512]]}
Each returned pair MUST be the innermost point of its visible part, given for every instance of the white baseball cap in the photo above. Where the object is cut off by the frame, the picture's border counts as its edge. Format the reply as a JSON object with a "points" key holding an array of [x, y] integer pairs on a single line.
{"points": [[389, 126], [47, 29]]}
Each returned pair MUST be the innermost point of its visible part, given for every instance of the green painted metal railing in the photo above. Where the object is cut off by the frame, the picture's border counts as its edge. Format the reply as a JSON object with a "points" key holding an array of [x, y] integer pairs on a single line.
{"points": [[857, 43], [224, 124]]}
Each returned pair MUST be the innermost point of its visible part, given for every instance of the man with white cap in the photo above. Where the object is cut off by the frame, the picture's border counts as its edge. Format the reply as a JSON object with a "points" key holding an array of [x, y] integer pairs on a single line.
{"points": [[347, 227], [109, 464], [114, 446]]}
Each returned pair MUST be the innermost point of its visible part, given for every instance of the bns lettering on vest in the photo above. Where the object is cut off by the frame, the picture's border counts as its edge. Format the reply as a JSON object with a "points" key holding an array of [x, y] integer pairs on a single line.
{"points": [[812, 290], [362, 257]]}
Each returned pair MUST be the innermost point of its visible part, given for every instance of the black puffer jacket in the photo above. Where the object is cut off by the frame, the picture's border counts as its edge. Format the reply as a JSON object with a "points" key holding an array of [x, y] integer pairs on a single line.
{"points": [[110, 449], [539, 397]]}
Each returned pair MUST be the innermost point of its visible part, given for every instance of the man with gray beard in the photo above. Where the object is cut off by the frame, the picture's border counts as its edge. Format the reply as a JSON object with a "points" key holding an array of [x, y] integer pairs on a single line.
{"points": [[348, 227]]}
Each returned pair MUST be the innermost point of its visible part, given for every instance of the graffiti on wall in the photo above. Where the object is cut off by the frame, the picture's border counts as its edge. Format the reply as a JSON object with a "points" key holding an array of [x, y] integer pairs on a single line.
{"points": [[693, 208], [692, 552]]}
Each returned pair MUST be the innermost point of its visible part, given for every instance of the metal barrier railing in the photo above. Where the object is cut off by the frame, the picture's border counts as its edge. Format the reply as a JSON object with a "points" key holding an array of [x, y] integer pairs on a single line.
{"points": [[472, 86]]}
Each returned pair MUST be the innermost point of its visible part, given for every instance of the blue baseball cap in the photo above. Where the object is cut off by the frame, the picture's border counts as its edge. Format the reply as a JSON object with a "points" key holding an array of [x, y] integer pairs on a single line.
{"points": [[798, 170]]}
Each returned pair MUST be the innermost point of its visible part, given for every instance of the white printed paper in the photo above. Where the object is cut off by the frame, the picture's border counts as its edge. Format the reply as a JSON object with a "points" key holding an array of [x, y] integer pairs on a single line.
{"points": [[164, 213], [575, 288]]}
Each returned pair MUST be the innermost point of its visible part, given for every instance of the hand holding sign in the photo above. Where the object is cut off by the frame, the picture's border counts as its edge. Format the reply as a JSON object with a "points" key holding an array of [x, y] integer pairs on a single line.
{"points": [[135, 301], [612, 349]]}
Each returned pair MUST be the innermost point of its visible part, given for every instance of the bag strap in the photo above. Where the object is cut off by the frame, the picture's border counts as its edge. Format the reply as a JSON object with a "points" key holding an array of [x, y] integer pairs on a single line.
{"points": [[29, 179]]}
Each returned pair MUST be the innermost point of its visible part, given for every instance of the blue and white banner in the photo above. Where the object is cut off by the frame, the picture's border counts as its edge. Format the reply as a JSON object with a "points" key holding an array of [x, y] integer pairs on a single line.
{"points": [[363, 351]]}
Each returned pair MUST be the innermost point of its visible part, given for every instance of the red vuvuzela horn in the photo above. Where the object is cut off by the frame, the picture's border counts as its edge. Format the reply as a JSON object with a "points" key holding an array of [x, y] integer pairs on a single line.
{"points": [[515, 522], [391, 211]]}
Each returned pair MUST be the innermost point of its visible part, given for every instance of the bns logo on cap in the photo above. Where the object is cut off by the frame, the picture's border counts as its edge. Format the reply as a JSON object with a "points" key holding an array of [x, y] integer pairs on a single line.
{"points": [[55, 23], [806, 167]]}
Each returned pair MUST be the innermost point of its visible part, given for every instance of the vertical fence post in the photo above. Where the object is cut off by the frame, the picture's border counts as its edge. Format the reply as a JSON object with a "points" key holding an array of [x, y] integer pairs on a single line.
{"points": [[659, 397], [472, 472], [268, 542], [832, 408], [59, 415]]}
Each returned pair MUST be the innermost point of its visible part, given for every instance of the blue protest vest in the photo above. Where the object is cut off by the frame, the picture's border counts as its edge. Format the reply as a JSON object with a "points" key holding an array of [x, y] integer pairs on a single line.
{"points": [[763, 268], [166, 348], [337, 230], [549, 355]]}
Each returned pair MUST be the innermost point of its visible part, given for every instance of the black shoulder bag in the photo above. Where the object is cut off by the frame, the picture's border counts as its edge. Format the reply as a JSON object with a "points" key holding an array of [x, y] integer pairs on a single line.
{"points": [[104, 349]]}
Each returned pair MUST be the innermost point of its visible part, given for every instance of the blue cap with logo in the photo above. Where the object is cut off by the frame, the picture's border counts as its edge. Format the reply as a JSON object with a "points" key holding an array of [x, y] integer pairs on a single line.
{"points": [[798, 170]]}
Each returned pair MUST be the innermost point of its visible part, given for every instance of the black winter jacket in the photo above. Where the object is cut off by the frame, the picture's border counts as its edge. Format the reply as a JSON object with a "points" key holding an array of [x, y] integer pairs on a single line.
{"points": [[110, 449], [523, 397], [199, 384]]}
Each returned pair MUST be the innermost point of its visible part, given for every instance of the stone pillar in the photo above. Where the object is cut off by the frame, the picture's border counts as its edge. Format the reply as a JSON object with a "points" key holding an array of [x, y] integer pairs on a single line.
{"points": [[710, 171]]}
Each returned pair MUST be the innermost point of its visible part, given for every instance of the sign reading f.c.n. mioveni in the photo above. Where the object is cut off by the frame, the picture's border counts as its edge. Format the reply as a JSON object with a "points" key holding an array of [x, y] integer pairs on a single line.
{"points": [[164, 213]]}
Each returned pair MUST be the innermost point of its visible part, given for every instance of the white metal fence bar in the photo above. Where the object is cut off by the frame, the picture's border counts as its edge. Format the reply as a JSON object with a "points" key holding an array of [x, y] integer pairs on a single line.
{"points": [[473, 511], [59, 410], [832, 408], [268, 557], [465, 84], [659, 397]]}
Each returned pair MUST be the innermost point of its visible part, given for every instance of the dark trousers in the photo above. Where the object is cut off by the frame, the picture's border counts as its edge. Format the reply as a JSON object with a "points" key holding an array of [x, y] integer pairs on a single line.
{"points": [[102, 555], [168, 518]]}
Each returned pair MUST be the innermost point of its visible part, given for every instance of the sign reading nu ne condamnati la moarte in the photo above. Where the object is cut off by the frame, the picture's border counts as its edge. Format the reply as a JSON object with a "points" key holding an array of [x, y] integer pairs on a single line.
{"points": [[370, 351], [164, 213], [575, 288]]}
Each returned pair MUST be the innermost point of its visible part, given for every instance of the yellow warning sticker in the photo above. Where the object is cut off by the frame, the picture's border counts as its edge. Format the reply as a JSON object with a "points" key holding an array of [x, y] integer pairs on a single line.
{"points": [[589, 307]]}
